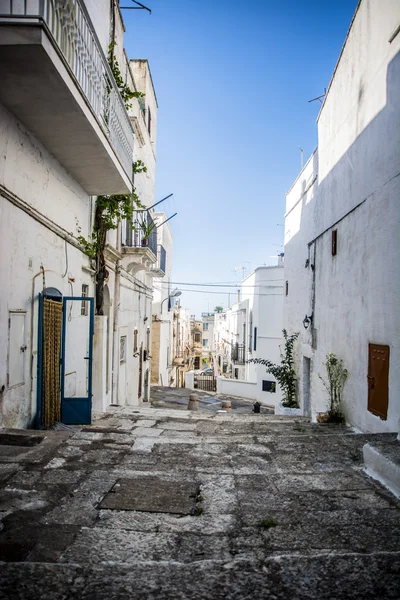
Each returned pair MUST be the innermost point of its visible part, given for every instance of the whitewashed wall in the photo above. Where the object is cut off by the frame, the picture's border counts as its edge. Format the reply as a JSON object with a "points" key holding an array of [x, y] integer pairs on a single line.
{"points": [[357, 193], [264, 290], [33, 186], [162, 288]]}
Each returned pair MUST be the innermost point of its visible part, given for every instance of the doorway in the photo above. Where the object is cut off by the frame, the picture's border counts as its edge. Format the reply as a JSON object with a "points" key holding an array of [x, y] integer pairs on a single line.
{"points": [[65, 348], [140, 371], [378, 380], [306, 386]]}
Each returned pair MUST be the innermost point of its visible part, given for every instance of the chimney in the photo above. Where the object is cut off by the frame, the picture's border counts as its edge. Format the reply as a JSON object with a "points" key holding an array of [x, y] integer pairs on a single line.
{"points": [[238, 296], [281, 259]]}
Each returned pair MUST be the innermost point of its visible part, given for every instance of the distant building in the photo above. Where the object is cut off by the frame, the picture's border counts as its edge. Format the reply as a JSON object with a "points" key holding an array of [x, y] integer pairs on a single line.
{"points": [[196, 343], [208, 339]]}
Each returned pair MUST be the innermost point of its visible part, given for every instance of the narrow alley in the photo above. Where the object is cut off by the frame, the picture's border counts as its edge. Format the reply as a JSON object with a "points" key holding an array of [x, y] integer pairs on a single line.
{"points": [[161, 503]]}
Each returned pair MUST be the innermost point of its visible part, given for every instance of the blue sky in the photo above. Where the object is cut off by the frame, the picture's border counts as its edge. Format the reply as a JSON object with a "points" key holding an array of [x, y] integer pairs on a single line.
{"points": [[233, 79]]}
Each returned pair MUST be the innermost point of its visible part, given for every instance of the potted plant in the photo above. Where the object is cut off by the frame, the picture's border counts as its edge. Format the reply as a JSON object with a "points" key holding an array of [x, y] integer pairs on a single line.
{"points": [[146, 228], [337, 376]]}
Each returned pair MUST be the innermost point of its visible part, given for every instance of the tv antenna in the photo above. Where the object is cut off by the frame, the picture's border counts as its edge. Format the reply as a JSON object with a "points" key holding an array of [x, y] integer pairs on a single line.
{"points": [[242, 268]]}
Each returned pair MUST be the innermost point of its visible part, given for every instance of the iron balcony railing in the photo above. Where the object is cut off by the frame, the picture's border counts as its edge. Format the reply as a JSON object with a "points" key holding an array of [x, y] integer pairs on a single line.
{"points": [[238, 354], [71, 30], [138, 236], [159, 267]]}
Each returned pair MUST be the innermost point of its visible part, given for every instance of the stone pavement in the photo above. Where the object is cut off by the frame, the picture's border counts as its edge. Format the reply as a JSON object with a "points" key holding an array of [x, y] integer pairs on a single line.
{"points": [[154, 503], [177, 398]]}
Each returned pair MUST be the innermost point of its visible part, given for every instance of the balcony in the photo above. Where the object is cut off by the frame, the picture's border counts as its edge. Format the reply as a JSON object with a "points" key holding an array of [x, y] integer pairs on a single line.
{"points": [[139, 252], [238, 354], [56, 80], [158, 270], [179, 358]]}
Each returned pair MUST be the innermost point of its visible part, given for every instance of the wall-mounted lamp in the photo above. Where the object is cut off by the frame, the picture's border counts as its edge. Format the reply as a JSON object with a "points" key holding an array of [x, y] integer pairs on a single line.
{"points": [[307, 321]]}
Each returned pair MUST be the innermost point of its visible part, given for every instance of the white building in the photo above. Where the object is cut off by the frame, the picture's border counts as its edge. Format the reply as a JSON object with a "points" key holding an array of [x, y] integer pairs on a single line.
{"points": [[162, 310], [208, 339], [182, 348], [66, 138], [251, 328], [264, 290], [342, 229]]}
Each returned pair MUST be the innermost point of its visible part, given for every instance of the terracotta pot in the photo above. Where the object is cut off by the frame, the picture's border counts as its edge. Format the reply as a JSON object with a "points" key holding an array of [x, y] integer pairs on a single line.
{"points": [[323, 417]]}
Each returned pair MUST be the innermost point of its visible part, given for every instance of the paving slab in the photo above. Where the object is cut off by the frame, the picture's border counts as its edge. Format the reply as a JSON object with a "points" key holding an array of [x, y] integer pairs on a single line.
{"points": [[284, 510], [152, 494]]}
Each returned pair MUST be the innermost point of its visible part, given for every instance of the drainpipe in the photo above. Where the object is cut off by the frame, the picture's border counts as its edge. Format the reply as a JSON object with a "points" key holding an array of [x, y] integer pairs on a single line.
{"points": [[115, 347]]}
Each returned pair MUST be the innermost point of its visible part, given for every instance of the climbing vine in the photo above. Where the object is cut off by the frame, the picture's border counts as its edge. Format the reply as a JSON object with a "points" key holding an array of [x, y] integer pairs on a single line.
{"points": [[284, 373], [125, 91], [108, 212]]}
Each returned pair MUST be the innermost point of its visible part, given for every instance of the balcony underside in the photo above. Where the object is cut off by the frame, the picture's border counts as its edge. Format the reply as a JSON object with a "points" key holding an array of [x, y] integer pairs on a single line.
{"points": [[38, 88], [157, 272], [135, 259]]}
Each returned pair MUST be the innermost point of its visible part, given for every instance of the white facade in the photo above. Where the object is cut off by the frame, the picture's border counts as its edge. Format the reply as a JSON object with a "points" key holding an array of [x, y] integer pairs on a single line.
{"points": [[208, 339], [264, 289], [162, 313], [181, 347], [350, 283], [251, 328], [123, 335], [60, 147]]}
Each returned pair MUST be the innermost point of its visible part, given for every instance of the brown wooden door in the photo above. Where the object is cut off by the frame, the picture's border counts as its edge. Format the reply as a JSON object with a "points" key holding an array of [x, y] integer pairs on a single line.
{"points": [[378, 380]]}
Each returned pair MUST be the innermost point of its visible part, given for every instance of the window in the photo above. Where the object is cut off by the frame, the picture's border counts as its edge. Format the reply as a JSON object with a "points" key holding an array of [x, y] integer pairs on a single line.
{"points": [[287, 288], [122, 349], [148, 120], [205, 342], [268, 386], [197, 338], [205, 326], [135, 340], [197, 362], [334, 242], [255, 339], [85, 305]]}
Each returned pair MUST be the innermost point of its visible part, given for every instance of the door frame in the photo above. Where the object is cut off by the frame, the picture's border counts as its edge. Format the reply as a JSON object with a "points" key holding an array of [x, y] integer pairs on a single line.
{"points": [[65, 417]]}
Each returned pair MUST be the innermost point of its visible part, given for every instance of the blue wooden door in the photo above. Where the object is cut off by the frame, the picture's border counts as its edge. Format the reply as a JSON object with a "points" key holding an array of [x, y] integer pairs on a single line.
{"points": [[76, 360]]}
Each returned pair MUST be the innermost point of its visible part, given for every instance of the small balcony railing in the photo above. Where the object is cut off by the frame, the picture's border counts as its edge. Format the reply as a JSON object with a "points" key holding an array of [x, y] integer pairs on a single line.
{"points": [[158, 269], [238, 354], [71, 30], [161, 258], [138, 237]]}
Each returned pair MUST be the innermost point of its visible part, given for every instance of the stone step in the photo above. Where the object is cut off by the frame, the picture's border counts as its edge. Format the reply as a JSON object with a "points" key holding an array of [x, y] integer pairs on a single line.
{"points": [[382, 462], [322, 576]]}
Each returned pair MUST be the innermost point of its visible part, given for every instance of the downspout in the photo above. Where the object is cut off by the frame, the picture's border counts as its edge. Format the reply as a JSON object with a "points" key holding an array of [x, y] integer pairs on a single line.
{"points": [[115, 348]]}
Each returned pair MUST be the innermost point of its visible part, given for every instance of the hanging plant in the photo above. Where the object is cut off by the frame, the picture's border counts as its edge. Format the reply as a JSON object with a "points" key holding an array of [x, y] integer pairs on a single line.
{"points": [[109, 211]]}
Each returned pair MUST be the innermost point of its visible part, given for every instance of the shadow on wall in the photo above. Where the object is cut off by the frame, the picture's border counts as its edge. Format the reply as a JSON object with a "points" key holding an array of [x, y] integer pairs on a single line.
{"points": [[355, 291]]}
